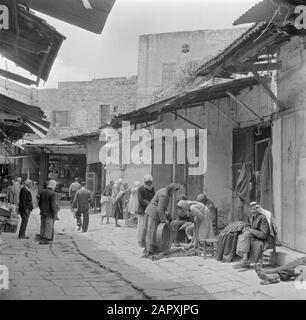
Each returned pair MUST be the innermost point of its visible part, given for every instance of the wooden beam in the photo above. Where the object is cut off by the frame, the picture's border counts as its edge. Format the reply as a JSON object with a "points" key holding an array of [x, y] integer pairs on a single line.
{"points": [[16, 77], [267, 88], [224, 114], [244, 105], [250, 67], [242, 55]]}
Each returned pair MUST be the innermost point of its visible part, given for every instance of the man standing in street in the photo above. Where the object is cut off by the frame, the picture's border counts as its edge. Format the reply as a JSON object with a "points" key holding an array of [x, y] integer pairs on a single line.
{"points": [[74, 187], [82, 201], [25, 208], [48, 212]]}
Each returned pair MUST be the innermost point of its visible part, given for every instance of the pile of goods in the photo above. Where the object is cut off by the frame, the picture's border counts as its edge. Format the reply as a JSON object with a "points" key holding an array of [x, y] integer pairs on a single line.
{"points": [[8, 218]]}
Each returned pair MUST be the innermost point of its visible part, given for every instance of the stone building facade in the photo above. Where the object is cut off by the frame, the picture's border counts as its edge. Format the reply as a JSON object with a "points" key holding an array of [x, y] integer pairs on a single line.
{"points": [[83, 106], [164, 57]]}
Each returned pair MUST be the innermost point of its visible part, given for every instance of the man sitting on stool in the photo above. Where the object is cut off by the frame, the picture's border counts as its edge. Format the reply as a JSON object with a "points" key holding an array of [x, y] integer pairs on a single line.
{"points": [[251, 242]]}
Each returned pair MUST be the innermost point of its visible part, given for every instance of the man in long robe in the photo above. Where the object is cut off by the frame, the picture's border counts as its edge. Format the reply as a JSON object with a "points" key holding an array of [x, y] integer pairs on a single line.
{"points": [[251, 242]]}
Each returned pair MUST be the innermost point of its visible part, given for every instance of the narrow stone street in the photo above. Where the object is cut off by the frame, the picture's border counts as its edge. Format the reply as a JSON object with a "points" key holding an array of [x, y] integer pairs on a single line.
{"points": [[57, 272], [106, 263]]}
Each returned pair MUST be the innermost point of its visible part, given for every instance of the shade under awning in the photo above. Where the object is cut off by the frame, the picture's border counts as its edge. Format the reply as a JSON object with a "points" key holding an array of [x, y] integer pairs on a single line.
{"points": [[90, 15], [28, 119]]}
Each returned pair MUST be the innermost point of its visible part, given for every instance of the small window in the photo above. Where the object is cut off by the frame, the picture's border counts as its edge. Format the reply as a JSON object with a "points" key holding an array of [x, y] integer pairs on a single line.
{"points": [[104, 113], [115, 109], [168, 73], [61, 119]]}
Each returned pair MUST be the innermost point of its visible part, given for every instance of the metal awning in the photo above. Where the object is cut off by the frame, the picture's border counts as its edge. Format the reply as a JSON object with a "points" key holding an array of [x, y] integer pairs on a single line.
{"points": [[29, 42], [48, 143], [33, 44], [90, 15], [190, 99]]}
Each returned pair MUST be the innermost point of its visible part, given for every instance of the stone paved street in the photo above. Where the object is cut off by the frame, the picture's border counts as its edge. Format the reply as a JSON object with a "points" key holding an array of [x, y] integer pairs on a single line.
{"points": [[106, 263], [59, 272]]}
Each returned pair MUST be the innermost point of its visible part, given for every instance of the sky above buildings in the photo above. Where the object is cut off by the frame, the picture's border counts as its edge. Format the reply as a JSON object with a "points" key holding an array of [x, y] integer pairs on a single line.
{"points": [[86, 56]]}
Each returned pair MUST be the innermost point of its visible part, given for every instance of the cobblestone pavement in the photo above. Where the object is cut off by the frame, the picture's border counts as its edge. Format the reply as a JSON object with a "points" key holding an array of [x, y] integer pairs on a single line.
{"points": [[106, 263]]}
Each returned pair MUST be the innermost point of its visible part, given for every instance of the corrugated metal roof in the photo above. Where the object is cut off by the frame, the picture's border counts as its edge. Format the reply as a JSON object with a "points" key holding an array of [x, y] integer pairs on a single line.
{"points": [[185, 100], [90, 15]]}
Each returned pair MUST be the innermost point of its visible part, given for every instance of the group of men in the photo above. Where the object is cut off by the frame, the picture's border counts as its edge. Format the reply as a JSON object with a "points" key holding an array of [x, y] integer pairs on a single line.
{"points": [[49, 207], [48, 211]]}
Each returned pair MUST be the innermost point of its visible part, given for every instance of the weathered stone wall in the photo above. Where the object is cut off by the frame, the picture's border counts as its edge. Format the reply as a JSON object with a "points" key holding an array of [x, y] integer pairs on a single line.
{"points": [[82, 99]]}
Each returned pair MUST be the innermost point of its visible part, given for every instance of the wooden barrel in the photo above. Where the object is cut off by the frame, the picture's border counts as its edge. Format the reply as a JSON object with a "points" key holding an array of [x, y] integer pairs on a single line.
{"points": [[164, 237]]}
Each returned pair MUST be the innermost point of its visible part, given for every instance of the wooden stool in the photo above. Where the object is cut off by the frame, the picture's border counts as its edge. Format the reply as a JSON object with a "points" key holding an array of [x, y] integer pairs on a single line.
{"points": [[204, 244], [271, 258]]}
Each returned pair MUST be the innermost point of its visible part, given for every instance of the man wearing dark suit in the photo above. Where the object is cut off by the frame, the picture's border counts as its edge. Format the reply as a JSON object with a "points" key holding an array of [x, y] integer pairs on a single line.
{"points": [[82, 201], [25, 208], [48, 213]]}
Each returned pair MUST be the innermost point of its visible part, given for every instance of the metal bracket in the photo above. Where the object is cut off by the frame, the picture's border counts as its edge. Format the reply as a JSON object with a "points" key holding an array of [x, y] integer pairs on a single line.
{"points": [[224, 114], [187, 120], [244, 105]]}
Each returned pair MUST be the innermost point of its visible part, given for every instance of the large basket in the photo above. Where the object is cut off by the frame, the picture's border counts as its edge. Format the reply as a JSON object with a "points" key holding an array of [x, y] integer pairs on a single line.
{"points": [[164, 237]]}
